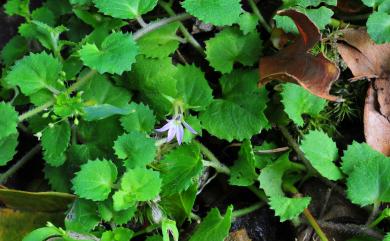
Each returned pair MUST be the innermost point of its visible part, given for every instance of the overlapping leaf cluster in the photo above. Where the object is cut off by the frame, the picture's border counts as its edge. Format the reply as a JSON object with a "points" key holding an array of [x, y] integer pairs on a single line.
{"points": [[92, 81]]}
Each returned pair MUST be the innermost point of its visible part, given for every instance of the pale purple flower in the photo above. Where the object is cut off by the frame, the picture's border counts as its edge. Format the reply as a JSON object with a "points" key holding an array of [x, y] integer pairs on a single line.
{"points": [[175, 127]]}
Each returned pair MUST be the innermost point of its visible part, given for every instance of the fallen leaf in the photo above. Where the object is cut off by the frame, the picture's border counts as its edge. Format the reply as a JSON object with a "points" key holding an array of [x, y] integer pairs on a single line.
{"points": [[367, 59], [350, 6], [239, 235], [296, 64]]}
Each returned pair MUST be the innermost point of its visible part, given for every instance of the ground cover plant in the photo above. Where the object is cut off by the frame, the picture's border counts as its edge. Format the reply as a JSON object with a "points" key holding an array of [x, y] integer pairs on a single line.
{"points": [[195, 120]]}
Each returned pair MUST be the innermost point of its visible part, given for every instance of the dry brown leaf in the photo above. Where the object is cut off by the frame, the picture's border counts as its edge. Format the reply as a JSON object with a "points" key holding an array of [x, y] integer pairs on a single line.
{"points": [[239, 235], [369, 60], [350, 6], [295, 64]]}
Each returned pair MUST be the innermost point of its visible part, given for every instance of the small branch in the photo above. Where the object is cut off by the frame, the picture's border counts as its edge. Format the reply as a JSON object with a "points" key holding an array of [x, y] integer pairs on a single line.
{"points": [[257, 12], [141, 22], [20, 163], [154, 26], [385, 214], [245, 211], [276, 150], [168, 8], [36, 110], [352, 229], [259, 193], [212, 160], [313, 222]]}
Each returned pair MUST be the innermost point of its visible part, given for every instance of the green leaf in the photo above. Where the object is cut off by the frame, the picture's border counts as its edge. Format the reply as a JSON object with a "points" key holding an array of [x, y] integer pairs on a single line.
{"points": [[248, 22], [55, 141], [357, 154], [239, 115], [243, 172], [8, 121], [107, 212], [160, 43], [118, 234], [137, 185], [99, 90], [193, 88], [154, 238], [42, 234], [169, 228], [298, 101], [82, 217], [378, 27], [180, 168], [154, 79], [194, 122], [95, 179], [217, 12], [125, 9], [179, 206], [58, 178], [321, 151], [141, 118], [8, 148], [372, 3], [66, 106], [34, 73], [315, 3], [264, 159], [321, 17], [271, 181], [17, 7], [369, 182], [44, 15], [116, 54], [15, 49], [48, 36], [288, 208], [214, 226], [136, 148], [100, 112], [230, 46]]}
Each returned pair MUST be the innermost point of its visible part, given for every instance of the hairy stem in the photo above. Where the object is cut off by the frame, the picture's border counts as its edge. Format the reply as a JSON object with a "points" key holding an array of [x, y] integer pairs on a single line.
{"points": [[257, 12], [168, 8], [154, 26], [352, 229], [374, 212], [247, 210], [313, 222], [212, 160], [20, 163]]}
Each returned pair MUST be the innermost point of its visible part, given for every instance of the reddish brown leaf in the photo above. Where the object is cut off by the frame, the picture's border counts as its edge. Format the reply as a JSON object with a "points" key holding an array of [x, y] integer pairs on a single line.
{"points": [[350, 6], [369, 60], [295, 64]]}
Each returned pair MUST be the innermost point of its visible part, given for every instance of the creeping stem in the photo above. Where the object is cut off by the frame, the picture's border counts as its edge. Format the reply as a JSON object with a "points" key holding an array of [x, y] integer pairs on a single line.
{"points": [[256, 11]]}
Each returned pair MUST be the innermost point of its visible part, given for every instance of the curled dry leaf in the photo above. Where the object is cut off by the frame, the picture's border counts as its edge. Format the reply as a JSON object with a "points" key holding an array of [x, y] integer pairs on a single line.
{"points": [[350, 6], [296, 64], [369, 60]]}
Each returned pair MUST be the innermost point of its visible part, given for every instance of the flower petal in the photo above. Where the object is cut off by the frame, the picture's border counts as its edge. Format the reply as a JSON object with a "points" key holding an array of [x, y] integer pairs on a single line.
{"points": [[165, 127], [179, 134], [188, 127], [171, 133]]}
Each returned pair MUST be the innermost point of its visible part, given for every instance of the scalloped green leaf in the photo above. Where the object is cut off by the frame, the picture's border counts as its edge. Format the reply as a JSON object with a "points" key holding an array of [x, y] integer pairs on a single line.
{"points": [[9, 120], [214, 226], [55, 141], [193, 87], [230, 46], [248, 22], [378, 27], [82, 217], [240, 113], [141, 118], [15, 49], [116, 54], [298, 101], [321, 151], [217, 12], [17, 7], [243, 172], [180, 168], [95, 179], [125, 9], [136, 148], [8, 148], [36, 72]]}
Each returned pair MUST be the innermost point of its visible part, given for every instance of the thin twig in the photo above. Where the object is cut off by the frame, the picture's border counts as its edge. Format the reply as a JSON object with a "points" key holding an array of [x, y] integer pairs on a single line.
{"points": [[276, 150], [242, 212], [20, 163]]}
